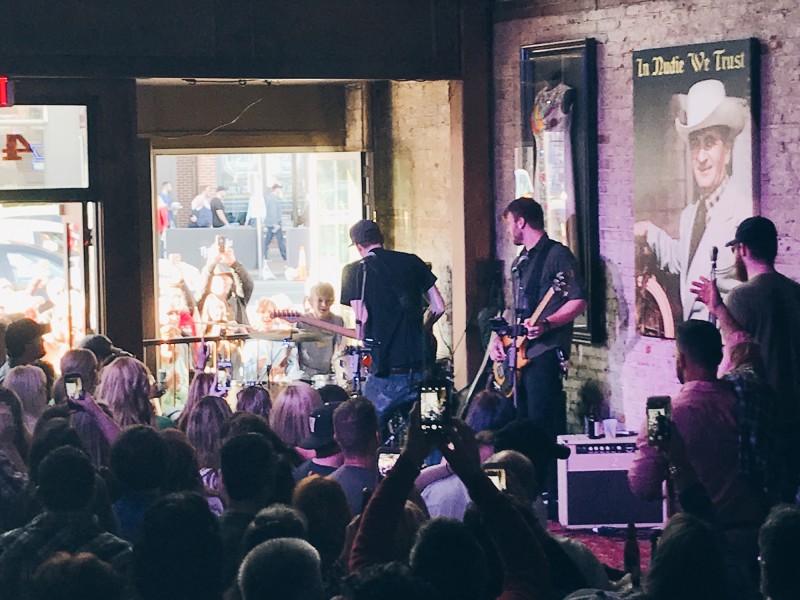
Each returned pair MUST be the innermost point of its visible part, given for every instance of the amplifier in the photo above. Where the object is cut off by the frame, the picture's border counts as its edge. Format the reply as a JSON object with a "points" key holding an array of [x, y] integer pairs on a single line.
{"points": [[593, 485]]}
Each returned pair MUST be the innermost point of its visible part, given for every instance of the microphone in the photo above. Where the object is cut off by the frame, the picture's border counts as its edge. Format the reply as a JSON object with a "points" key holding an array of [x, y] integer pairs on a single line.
{"points": [[713, 277]]}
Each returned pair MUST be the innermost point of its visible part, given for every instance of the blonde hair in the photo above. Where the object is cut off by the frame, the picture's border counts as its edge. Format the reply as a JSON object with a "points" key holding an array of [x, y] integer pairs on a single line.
{"points": [[289, 415], [125, 387], [84, 362], [29, 383], [321, 290]]}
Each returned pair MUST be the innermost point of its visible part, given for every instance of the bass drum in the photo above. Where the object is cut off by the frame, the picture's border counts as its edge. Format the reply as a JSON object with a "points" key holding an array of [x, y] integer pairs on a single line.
{"points": [[345, 364]]}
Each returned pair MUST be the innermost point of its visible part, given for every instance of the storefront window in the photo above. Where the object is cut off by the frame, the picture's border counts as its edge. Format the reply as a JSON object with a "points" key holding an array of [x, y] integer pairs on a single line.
{"points": [[285, 221]]}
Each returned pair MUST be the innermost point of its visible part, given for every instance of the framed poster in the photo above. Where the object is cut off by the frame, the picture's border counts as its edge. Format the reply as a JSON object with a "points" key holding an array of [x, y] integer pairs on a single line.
{"points": [[557, 162], [695, 119]]}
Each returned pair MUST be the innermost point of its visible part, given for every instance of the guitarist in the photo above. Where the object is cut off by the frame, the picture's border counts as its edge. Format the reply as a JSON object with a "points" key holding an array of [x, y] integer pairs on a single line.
{"points": [[541, 397], [386, 290]]}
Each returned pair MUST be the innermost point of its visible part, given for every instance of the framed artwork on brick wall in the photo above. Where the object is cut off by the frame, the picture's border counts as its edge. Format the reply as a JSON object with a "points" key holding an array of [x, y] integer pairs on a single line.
{"points": [[556, 163], [695, 120]]}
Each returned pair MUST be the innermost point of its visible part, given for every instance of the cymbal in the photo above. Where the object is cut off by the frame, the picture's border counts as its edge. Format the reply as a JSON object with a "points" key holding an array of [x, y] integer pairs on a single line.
{"points": [[288, 335]]}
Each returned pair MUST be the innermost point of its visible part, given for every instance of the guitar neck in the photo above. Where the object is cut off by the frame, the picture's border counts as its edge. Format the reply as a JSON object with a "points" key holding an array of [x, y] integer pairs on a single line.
{"points": [[542, 305], [333, 328]]}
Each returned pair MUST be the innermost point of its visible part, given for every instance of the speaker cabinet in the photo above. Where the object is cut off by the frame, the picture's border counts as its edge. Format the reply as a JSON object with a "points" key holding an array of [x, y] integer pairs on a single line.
{"points": [[593, 486]]}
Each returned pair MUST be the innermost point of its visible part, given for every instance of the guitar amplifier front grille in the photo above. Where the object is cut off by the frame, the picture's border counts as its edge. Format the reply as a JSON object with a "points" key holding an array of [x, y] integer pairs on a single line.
{"points": [[593, 486]]}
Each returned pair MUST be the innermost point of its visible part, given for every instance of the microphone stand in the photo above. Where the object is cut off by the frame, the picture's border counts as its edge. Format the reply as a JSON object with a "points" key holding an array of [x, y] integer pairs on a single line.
{"points": [[713, 278], [517, 329]]}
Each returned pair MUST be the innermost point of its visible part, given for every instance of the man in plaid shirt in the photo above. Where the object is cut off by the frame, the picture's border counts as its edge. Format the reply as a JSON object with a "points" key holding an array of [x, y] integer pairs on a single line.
{"points": [[66, 488]]}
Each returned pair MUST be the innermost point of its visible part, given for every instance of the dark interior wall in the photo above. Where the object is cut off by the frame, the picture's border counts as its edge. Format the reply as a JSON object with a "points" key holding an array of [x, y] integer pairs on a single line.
{"points": [[278, 116], [225, 38]]}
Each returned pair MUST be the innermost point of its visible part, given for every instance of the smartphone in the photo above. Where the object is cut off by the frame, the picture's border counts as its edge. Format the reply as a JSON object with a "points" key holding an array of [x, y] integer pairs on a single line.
{"points": [[221, 243], [224, 375], [73, 384], [433, 407], [386, 459], [496, 474], [659, 411]]}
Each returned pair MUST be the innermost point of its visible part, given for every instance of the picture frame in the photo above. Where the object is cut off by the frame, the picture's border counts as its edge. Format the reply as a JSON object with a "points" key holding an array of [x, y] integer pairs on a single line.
{"points": [[556, 162]]}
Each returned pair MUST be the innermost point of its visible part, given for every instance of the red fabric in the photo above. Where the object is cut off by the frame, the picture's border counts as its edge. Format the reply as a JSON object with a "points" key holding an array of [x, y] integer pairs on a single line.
{"points": [[162, 218]]}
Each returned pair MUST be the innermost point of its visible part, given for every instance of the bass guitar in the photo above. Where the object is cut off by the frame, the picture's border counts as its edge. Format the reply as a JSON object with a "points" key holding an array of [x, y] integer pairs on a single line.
{"points": [[502, 381]]}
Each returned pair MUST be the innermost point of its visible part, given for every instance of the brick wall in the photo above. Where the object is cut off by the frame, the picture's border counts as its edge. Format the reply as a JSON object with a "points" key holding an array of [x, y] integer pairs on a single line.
{"points": [[629, 367], [413, 178]]}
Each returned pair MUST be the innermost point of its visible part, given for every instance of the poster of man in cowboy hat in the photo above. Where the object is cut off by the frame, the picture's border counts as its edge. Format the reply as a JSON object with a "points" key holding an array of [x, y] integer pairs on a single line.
{"points": [[694, 180]]}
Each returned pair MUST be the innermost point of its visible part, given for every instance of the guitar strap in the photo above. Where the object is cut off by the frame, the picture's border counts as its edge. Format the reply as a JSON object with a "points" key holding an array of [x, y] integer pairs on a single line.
{"points": [[533, 275]]}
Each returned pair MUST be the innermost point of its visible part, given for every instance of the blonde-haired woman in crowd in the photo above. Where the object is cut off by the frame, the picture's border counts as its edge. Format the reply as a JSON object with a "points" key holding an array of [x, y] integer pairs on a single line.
{"points": [[203, 384], [77, 361], [29, 383], [289, 415], [125, 387]]}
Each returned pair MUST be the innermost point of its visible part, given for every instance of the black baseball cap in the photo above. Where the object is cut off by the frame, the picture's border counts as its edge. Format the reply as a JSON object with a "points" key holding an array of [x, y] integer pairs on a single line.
{"points": [[366, 232], [22, 331], [99, 345], [757, 233], [320, 423]]}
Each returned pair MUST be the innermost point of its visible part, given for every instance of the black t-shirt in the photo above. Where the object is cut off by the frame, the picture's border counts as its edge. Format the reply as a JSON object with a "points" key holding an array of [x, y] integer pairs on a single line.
{"points": [[396, 283], [216, 204], [559, 259]]}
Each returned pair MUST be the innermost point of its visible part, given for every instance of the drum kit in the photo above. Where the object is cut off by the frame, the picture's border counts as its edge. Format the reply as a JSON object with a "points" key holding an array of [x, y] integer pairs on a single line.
{"points": [[350, 366]]}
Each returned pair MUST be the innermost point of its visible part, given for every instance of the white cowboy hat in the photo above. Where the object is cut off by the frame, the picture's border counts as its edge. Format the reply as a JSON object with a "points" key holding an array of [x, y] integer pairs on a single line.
{"points": [[708, 106]]}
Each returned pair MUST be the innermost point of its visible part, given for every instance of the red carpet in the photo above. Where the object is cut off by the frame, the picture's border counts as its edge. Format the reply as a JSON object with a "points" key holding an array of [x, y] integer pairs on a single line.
{"points": [[607, 547]]}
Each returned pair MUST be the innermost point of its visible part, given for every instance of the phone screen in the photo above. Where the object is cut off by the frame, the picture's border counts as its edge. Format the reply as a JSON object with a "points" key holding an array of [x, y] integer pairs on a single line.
{"points": [[432, 403], [73, 385], [497, 475], [224, 375], [386, 461], [658, 416], [221, 243]]}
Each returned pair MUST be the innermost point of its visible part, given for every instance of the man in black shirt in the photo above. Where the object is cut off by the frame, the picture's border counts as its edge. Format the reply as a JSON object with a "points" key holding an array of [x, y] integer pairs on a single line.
{"points": [[386, 290], [540, 261], [218, 217]]}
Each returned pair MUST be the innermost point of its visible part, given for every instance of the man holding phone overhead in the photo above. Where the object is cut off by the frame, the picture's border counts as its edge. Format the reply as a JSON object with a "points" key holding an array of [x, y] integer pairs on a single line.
{"points": [[703, 414]]}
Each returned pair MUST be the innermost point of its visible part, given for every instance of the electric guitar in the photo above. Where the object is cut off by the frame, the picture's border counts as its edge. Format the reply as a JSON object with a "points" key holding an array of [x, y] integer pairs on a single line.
{"points": [[500, 367], [294, 316]]}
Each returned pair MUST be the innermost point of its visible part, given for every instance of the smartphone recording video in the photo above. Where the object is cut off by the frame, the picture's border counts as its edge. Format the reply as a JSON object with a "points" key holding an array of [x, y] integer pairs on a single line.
{"points": [[387, 457], [221, 243], [433, 407], [659, 411], [73, 384], [224, 375]]}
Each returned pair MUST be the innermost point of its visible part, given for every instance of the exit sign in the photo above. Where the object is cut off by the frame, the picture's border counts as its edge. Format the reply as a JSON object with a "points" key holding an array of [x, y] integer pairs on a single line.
{"points": [[6, 91]]}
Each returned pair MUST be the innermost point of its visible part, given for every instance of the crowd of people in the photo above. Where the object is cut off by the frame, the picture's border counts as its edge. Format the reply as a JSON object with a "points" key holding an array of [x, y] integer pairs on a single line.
{"points": [[259, 493]]}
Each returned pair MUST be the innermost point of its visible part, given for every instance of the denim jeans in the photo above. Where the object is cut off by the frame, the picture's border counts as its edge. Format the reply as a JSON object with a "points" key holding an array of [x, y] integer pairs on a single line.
{"points": [[392, 392]]}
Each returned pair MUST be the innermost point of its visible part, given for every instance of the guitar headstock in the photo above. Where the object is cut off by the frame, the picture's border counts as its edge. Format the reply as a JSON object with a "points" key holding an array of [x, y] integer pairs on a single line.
{"points": [[287, 315], [560, 286]]}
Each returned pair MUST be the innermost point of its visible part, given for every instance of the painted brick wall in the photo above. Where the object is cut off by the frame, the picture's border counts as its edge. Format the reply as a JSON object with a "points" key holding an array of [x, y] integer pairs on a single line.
{"points": [[629, 367], [413, 198]]}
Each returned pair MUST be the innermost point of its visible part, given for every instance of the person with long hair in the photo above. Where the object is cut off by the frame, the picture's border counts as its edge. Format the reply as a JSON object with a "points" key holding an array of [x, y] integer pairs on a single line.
{"points": [[289, 415], [202, 385], [125, 387], [14, 438], [78, 361], [204, 429], [182, 473], [30, 385], [254, 399]]}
